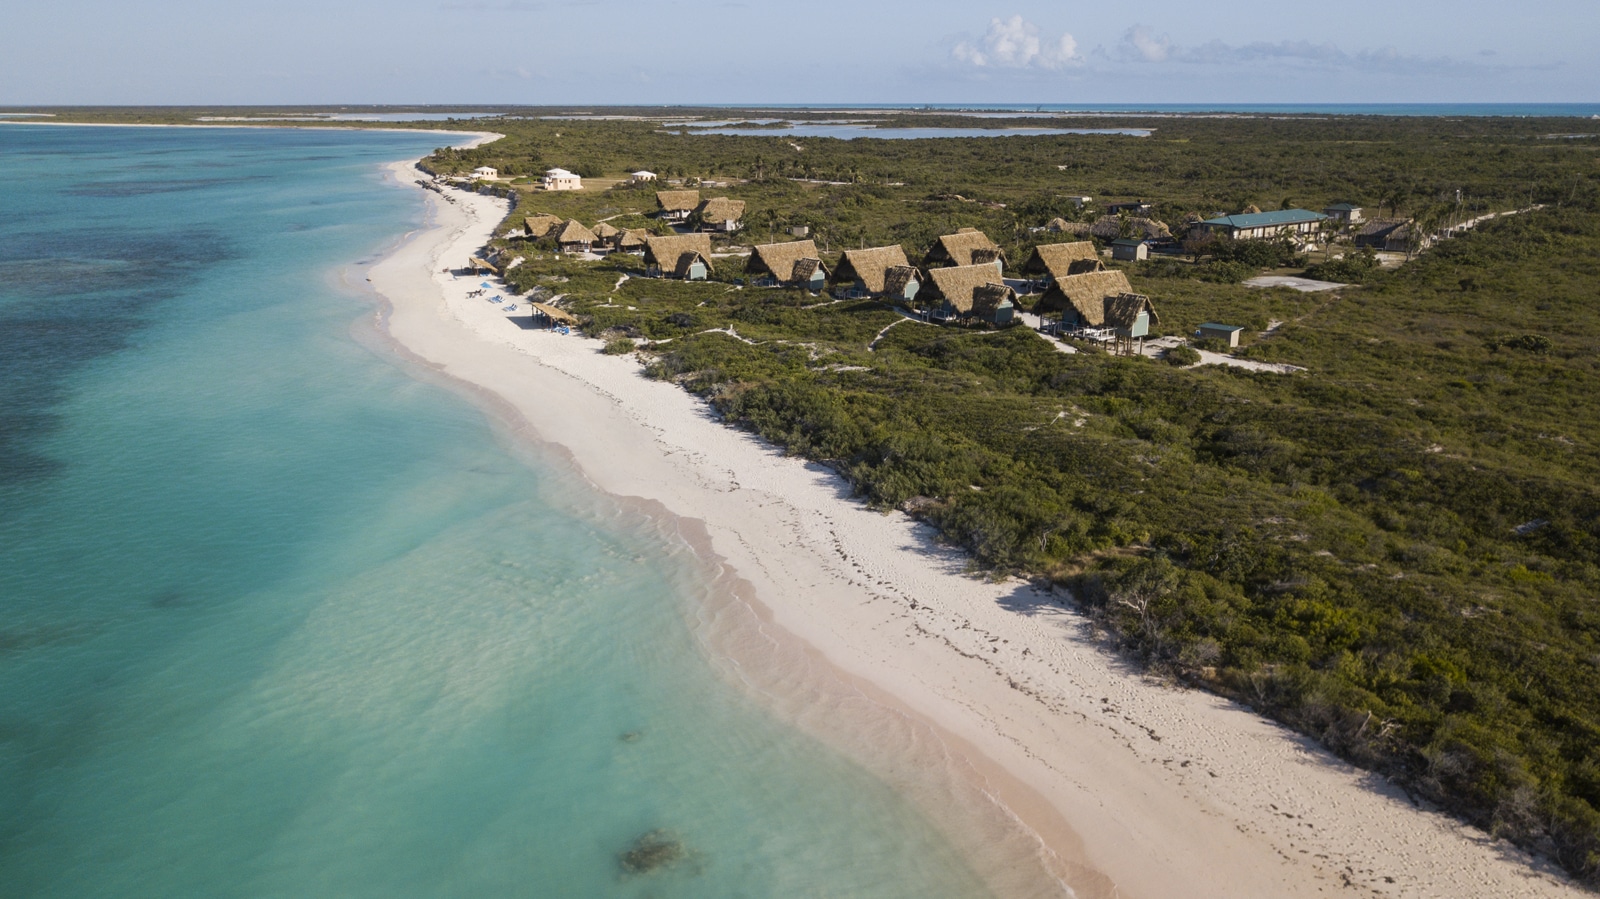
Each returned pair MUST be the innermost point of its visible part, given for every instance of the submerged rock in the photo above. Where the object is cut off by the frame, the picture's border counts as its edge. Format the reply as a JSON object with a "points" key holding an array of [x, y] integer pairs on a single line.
{"points": [[632, 736], [653, 851]]}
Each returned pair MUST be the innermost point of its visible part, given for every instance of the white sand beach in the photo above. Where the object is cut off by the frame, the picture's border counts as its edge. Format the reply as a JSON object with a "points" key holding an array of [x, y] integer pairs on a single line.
{"points": [[1038, 750]]}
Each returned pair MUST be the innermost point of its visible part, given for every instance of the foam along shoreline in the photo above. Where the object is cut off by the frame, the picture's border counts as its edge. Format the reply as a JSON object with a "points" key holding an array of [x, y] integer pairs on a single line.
{"points": [[991, 703]]}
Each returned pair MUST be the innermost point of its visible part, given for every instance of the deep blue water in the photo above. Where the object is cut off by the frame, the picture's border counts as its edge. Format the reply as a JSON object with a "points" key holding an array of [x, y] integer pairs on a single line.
{"points": [[279, 619]]}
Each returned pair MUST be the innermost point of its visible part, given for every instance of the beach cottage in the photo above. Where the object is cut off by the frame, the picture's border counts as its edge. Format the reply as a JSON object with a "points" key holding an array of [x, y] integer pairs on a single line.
{"points": [[878, 272], [1130, 316], [1060, 225], [541, 225], [631, 240], [485, 173], [640, 177], [683, 256], [561, 179], [606, 234], [968, 246], [574, 237], [720, 214], [1051, 261], [793, 264], [677, 205], [1080, 299], [969, 291]]}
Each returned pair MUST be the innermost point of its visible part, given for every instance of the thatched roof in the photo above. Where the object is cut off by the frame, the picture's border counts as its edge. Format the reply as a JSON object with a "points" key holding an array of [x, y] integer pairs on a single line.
{"points": [[605, 230], [782, 260], [1086, 293], [897, 277], [1084, 266], [1382, 227], [574, 232], [718, 210], [806, 269], [632, 238], [1109, 227], [870, 266], [958, 284], [989, 297], [675, 251], [541, 224], [555, 314], [1062, 226], [1056, 258], [677, 200], [959, 248], [687, 260], [1122, 309]]}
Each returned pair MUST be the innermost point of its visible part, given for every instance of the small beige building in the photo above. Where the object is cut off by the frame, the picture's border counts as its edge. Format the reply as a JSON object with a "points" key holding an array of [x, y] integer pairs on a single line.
{"points": [[561, 179]]}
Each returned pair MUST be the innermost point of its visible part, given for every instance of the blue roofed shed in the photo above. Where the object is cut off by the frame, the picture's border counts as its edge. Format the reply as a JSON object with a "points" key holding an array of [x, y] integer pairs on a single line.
{"points": [[1215, 331]]}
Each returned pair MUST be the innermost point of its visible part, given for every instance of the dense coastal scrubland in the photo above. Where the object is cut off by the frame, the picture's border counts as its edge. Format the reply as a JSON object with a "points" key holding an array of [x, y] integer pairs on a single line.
{"points": [[1393, 552]]}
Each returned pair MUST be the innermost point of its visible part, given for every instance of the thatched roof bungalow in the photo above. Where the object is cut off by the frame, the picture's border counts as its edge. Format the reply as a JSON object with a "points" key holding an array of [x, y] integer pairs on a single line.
{"points": [[606, 232], [1051, 261], [685, 256], [631, 240], [574, 237], [1081, 298], [1109, 227], [1130, 314], [878, 271], [720, 214], [964, 291], [969, 246], [1392, 235], [677, 205], [540, 225], [793, 264], [1060, 225]]}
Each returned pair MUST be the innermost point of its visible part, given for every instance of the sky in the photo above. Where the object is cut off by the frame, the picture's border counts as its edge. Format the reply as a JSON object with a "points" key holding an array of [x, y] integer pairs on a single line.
{"points": [[313, 52]]}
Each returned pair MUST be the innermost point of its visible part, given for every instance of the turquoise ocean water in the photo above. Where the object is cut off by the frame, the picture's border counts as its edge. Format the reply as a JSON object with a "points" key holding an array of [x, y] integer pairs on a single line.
{"points": [[277, 619]]}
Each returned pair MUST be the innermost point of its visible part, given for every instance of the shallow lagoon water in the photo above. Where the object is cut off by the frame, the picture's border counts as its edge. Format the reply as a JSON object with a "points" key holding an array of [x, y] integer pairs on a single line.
{"points": [[277, 618]]}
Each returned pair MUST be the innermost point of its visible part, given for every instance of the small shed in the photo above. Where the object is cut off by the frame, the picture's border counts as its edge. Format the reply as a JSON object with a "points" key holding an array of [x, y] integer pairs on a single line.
{"points": [[1215, 331], [642, 176], [485, 173], [1130, 249]]}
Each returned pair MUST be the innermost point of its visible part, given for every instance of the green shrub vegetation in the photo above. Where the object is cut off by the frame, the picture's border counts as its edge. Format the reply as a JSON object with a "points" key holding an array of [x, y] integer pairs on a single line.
{"points": [[1396, 551]]}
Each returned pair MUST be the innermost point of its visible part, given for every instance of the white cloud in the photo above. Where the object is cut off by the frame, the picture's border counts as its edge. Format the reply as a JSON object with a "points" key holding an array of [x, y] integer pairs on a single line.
{"points": [[1140, 44], [1147, 45], [1015, 43]]}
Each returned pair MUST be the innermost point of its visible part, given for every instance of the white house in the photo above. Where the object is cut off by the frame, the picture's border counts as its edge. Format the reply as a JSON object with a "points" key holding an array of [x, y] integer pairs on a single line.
{"points": [[485, 173], [642, 176], [561, 179]]}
